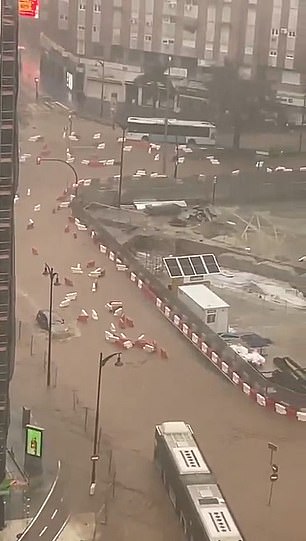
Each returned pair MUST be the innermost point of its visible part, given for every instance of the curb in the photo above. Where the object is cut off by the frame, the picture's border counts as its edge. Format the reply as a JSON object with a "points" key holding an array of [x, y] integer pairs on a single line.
{"points": [[200, 345]]}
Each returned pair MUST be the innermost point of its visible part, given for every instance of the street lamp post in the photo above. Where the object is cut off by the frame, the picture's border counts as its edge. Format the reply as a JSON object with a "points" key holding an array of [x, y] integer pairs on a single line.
{"points": [[95, 456], [166, 117], [101, 63], [176, 163], [54, 281], [70, 124], [36, 82], [302, 124], [121, 167], [214, 187], [76, 178]]}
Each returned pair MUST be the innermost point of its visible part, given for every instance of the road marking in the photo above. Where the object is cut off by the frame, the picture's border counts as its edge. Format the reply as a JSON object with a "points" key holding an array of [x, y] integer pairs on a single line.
{"points": [[43, 531], [45, 502], [54, 513], [61, 529]]}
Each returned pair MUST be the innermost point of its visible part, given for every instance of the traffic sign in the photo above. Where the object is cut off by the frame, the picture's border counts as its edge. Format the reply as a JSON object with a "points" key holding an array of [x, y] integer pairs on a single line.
{"points": [[94, 457]]}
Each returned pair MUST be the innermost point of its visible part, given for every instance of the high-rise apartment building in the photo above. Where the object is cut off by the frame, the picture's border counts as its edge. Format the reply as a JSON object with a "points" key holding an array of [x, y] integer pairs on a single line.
{"points": [[260, 36], [8, 183]]}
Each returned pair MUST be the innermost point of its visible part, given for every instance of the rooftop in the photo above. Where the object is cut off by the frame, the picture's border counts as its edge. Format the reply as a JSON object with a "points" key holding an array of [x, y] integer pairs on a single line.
{"points": [[183, 447], [215, 515], [203, 296]]}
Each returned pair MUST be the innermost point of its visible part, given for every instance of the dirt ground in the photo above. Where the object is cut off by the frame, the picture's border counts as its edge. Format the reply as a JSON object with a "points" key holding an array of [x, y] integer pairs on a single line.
{"points": [[233, 432]]}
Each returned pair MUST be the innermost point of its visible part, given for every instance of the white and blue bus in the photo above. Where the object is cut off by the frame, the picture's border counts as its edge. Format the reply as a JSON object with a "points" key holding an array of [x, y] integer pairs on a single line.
{"points": [[186, 132], [191, 485]]}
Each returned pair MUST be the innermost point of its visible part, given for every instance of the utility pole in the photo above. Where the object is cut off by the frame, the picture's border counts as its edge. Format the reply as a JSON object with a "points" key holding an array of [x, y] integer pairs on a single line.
{"points": [[302, 125], [101, 63], [166, 117], [121, 167]]}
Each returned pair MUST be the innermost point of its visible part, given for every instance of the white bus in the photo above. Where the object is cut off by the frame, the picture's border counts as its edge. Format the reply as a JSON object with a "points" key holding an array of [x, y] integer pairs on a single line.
{"points": [[193, 491], [184, 132]]}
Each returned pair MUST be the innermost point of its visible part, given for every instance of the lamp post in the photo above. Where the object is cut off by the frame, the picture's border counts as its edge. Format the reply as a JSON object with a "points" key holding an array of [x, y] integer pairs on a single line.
{"points": [[176, 157], [214, 186], [54, 281], [36, 82], [101, 63], [302, 124], [69, 124], [76, 178], [95, 456], [121, 167], [166, 117]]}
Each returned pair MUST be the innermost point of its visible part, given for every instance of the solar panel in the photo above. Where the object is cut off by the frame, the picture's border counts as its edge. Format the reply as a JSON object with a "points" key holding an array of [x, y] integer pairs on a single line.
{"points": [[191, 266], [186, 266], [211, 263], [172, 267], [198, 266]]}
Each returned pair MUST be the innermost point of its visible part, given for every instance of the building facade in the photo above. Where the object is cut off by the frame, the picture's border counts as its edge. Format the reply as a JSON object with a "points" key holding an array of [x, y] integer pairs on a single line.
{"points": [[266, 37], [8, 185]]}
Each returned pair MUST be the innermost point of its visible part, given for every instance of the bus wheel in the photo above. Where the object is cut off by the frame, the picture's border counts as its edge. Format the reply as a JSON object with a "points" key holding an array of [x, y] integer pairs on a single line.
{"points": [[145, 138], [191, 142]]}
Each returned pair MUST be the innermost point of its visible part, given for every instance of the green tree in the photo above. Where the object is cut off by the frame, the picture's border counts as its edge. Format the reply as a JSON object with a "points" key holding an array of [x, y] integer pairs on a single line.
{"points": [[242, 99]]}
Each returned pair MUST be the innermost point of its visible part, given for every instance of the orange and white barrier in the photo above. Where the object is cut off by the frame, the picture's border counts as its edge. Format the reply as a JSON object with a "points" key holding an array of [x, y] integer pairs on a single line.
{"points": [[65, 303], [83, 317], [94, 315], [77, 269], [72, 296]]}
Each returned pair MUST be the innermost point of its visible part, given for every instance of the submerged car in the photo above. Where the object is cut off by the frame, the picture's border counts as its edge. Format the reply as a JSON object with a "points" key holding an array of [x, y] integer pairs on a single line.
{"points": [[58, 323]]}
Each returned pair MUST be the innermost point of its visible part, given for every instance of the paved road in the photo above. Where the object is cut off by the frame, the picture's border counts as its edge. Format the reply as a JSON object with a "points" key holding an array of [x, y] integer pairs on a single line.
{"points": [[232, 431], [53, 514]]}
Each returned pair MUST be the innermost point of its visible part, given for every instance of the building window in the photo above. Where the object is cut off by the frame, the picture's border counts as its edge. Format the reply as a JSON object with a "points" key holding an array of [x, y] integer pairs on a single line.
{"points": [[275, 31], [82, 7], [148, 37], [273, 53], [291, 34], [211, 316], [97, 8]]}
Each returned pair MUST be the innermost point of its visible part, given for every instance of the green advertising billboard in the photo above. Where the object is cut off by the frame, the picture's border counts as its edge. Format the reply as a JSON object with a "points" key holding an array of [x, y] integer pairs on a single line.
{"points": [[34, 440]]}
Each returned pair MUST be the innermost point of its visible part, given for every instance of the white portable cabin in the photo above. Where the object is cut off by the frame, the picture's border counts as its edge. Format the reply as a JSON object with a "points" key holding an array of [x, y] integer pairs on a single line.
{"points": [[206, 305]]}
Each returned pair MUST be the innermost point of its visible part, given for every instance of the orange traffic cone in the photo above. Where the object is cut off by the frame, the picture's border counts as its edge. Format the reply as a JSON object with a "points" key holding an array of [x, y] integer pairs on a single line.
{"points": [[91, 264], [75, 236], [34, 251], [68, 282], [67, 229], [71, 219]]}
